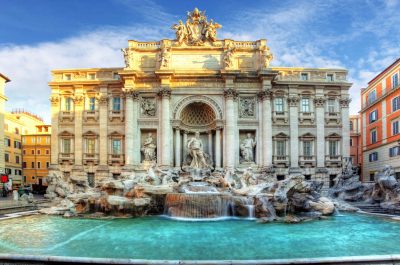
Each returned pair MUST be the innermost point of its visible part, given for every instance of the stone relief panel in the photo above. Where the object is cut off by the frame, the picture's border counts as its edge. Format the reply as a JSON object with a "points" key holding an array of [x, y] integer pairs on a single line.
{"points": [[247, 146], [247, 107], [148, 107], [148, 147]]}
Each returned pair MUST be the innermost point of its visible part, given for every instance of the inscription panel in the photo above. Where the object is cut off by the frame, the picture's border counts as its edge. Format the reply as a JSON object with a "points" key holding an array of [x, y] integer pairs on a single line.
{"points": [[196, 61]]}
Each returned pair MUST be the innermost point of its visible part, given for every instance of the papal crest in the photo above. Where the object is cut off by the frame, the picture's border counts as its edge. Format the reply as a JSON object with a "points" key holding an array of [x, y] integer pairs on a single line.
{"points": [[197, 30]]}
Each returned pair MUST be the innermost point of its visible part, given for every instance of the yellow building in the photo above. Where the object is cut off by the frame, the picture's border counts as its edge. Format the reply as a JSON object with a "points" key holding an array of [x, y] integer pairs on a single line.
{"points": [[36, 155], [3, 99], [16, 123]]}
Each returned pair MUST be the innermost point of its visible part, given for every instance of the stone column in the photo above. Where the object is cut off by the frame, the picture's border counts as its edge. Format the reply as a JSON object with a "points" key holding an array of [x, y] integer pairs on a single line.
{"points": [[166, 129], [55, 112], [344, 104], [177, 147], [218, 148], [128, 127], [210, 147], [103, 124], [293, 102], [266, 145], [78, 110], [230, 127], [320, 120], [184, 148]]}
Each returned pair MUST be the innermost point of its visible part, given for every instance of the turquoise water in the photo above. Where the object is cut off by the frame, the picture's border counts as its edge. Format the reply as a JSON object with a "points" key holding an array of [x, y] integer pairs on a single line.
{"points": [[161, 238]]}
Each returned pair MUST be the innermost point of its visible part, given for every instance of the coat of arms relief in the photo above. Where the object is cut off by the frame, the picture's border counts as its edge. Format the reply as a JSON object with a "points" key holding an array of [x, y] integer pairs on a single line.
{"points": [[197, 30]]}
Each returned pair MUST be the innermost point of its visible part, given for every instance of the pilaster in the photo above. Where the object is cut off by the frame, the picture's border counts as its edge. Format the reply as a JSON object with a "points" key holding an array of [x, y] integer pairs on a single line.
{"points": [[320, 120], [344, 106], [78, 109], [103, 124], [230, 127], [293, 102], [55, 112], [166, 150]]}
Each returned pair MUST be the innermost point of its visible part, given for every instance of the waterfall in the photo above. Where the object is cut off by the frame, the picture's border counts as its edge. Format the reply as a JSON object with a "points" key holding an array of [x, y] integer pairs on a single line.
{"points": [[192, 205]]}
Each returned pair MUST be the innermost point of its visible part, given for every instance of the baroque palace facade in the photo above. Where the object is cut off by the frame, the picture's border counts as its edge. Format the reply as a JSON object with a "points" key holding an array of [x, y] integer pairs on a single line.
{"points": [[114, 121]]}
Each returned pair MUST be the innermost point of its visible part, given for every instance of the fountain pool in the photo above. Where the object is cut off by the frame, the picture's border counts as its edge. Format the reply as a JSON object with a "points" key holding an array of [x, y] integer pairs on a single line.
{"points": [[160, 238]]}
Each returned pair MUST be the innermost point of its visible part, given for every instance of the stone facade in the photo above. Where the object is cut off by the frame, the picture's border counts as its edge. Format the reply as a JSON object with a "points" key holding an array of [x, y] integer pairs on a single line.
{"points": [[226, 90]]}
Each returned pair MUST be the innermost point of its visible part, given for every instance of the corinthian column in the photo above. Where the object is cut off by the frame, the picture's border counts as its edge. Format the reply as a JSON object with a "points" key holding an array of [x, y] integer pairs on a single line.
{"points": [[165, 94], [78, 109], [320, 120], [344, 104], [55, 111], [177, 147], [293, 102], [103, 124], [131, 135], [218, 148], [265, 97], [230, 145]]}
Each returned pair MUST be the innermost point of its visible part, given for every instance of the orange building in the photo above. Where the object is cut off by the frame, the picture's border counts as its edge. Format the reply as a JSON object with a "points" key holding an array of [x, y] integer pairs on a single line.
{"points": [[380, 119], [355, 140], [36, 152]]}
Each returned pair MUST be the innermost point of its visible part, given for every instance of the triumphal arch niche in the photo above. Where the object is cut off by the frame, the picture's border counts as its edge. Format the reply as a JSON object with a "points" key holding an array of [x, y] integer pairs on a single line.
{"points": [[197, 101]]}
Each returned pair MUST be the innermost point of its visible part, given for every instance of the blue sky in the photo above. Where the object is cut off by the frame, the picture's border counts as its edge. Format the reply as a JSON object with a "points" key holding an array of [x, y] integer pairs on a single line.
{"points": [[39, 35]]}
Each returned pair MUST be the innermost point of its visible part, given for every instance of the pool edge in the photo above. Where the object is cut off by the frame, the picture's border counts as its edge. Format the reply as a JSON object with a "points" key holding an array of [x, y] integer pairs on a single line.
{"points": [[33, 259]]}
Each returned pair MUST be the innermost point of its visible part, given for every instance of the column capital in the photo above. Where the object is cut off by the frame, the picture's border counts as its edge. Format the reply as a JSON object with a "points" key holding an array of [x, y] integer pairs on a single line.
{"points": [[131, 94], [230, 93], [293, 101], [164, 92], [78, 99], [319, 102], [103, 99], [344, 102], [54, 99], [265, 94]]}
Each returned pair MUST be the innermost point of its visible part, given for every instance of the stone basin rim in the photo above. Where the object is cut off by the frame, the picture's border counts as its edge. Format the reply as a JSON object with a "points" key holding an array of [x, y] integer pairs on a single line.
{"points": [[372, 259]]}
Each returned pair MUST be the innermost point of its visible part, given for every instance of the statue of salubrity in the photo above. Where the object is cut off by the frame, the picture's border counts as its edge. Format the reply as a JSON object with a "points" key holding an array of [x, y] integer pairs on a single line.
{"points": [[149, 148], [247, 148]]}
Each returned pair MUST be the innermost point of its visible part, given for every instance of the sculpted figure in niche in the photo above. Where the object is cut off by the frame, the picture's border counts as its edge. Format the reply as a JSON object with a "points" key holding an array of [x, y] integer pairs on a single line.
{"points": [[247, 148], [149, 148], [149, 107], [195, 147], [164, 58], [180, 31], [228, 59]]}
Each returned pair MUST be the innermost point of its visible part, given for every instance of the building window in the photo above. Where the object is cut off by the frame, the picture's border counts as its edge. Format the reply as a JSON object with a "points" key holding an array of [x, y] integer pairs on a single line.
{"points": [[394, 151], [305, 105], [395, 104], [67, 76], [373, 137], [351, 142], [39, 140], [116, 147], [47, 164], [351, 126], [32, 152], [332, 180], [279, 104], [90, 146], [281, 148], [38, 164], [38, 152], [373, 116], [116, 76], [7, 157], [116, 106], [373, 157], [92, 103], [7, 142], [329, 77], [333, 148], [68, 104], [66, 145], [32, 164], [395, 80], [92, 76], [307, 148], [47, 151], [33, 140], [395, 127], [331, 105], [24, 152], [16, 131], [23, 164], [372, 96], [304, 76], [17, 159], [47, 140]]}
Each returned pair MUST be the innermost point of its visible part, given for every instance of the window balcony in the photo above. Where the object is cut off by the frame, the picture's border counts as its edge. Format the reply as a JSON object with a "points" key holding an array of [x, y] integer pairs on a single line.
{"points": [[118, 159], [333, 160], [280, 116], [66, 157], [90, 115], [307, 161], [332, 117], [90, 158], [116, 114], [281, 160], [66, 116], [306, 116]]}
